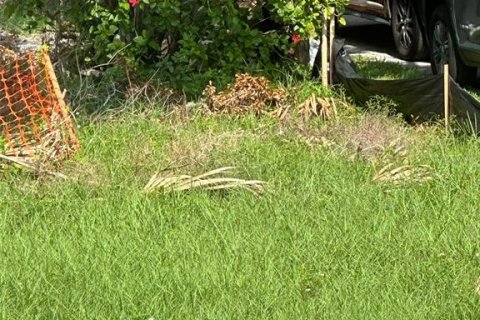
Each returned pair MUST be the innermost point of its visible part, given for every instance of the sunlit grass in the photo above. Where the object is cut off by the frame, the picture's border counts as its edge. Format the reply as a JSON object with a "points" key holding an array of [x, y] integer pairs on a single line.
{"points": [[382, 70], [323, 241]]}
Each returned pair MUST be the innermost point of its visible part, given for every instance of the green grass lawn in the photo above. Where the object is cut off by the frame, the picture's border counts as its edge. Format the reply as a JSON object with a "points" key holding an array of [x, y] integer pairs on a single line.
{"points": [[474, 92], [323, 242], [383, 70]]}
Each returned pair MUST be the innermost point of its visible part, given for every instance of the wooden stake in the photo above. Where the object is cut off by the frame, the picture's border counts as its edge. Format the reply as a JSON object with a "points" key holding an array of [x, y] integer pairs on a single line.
{"points": [[446, 96], [50, 73], [324, 49], [332, 54]]}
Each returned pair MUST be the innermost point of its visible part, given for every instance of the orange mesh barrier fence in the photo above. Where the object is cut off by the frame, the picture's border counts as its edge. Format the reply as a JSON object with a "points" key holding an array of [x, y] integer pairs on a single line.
{"points": [[34, 119]]}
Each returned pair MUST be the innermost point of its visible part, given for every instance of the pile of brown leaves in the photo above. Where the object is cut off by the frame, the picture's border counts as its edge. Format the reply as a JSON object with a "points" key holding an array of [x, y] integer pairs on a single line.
{"points": [[248, 94]]}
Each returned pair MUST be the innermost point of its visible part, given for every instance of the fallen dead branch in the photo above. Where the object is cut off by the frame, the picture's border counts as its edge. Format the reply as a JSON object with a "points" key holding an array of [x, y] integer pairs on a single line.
{"points": [[212, 180]]}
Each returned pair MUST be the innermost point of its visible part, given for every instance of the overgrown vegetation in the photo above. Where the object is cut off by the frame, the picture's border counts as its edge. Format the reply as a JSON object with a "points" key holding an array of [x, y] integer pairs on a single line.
{"points": [[186, 43], [323, 240], [347, 214]]}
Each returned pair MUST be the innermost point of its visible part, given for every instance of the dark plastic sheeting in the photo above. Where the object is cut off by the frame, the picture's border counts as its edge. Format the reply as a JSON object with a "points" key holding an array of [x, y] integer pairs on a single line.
{"points": [[419, 98]]}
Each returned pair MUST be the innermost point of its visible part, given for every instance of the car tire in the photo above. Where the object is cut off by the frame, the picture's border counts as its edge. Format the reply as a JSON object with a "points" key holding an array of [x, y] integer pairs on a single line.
{"points": [[443, 49], [407, 33]]}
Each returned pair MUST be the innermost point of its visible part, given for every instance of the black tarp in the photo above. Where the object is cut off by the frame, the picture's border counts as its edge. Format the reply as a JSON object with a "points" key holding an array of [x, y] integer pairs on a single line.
{"points": [[420, 98]]}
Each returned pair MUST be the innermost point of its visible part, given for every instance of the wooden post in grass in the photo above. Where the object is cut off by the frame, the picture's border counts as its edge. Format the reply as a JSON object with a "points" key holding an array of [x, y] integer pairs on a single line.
{"points": [[446, 96], [324, 49], [62, 106], [331, 53]]}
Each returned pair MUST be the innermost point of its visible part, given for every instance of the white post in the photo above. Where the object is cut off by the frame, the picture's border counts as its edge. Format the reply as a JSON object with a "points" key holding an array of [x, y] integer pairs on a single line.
{"points": [[324, 49], [446, 96], [332, 54]]}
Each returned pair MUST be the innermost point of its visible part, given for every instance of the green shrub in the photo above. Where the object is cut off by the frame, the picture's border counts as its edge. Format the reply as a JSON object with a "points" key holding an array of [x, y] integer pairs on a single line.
{"points": [[187, 42]]}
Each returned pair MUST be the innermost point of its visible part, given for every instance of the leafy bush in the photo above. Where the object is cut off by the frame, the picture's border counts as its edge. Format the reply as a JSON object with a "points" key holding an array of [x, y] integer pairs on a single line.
{"points": [[188, 42]]}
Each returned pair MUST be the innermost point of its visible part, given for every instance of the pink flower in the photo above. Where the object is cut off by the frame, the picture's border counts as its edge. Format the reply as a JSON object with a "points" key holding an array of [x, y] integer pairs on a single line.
{"points": [[134, 3], [296, 38]]}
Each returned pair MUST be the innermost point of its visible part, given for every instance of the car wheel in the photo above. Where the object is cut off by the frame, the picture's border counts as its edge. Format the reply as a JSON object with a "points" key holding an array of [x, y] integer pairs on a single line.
{"points": [[407, 33], [443, 49]]}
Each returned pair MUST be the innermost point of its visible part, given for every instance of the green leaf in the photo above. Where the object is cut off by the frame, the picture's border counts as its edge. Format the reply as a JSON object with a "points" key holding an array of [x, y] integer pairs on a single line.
{"points": [[154, 45], [9, 10], [124, 5], [141, 41], [113, 29], [330, 11]]}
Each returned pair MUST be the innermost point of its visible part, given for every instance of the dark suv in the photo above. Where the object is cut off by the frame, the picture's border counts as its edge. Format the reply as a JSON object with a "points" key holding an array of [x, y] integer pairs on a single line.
{"points": [[446, 30], [402, 15]]}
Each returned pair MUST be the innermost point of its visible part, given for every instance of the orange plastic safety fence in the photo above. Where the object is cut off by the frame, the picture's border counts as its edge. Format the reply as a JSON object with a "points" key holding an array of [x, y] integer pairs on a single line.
{"points": [[34, 119]]}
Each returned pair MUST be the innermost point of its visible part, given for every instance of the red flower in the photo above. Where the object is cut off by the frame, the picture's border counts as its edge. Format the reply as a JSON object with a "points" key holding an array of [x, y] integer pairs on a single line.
{"points": [[296, 38], [134, 3]]}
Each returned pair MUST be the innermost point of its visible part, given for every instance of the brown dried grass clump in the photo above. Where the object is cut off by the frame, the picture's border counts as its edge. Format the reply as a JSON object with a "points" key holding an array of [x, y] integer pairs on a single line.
{"points": [[315, 106], [373, 138], [374, 135], [248, 94]]}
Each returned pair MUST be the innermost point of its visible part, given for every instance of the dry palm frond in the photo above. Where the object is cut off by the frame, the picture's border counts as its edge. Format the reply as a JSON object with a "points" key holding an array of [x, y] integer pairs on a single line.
{"points": [[281, 112], [37, 156], [404, 174], [318, 107], [38, 170], [212, 180], [394, 152]]}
